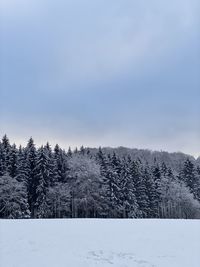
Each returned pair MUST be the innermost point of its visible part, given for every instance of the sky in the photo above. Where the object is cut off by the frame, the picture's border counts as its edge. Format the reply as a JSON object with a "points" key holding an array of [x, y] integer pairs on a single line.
{"points": [[101, 73]]}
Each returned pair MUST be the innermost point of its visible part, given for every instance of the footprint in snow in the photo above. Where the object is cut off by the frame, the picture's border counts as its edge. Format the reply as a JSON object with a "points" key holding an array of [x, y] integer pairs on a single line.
{"points": [[117, 258]]}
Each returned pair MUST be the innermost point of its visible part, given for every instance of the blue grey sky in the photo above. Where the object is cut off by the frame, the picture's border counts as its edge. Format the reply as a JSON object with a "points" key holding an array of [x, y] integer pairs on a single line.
{"points": [[101, 73]]}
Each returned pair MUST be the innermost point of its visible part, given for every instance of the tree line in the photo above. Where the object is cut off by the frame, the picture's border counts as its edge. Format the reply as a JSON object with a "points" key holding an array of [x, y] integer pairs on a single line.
{"points": [[54, 183]]}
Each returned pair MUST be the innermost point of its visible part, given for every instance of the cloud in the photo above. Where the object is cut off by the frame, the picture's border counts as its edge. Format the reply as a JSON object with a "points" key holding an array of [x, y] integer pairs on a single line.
{"points": [[82, 70], [111, 43], [91, 41]]}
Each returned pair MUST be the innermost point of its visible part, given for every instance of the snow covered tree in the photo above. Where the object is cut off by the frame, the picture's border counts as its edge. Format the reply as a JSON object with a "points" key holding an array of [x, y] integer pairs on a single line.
{"points": [[13, 199], [140, 186], [108, 183], [152, 209], [42, 180], [13, 161], [110, 168], [69, 152], [58, 199], [85, 182], [60, 164], [22, 167], [114, 179], [129, 204], [157, 176], [5, 152], [31, 157], [1, 160], [179, 201], [51, 165], [190, 176], [106, 186]]}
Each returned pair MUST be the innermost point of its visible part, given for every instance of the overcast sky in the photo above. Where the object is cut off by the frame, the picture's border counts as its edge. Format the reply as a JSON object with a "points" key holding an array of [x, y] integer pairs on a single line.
{"points": [[109, 73]]}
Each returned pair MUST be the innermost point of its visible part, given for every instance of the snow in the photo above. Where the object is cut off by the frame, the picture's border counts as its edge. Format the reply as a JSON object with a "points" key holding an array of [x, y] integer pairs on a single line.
{"points": [[105, 243]]}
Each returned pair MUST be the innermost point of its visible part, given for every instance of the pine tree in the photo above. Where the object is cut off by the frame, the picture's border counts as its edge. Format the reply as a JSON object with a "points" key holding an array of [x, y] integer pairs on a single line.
{"points": [[197, 191], [105, 171], [163, 170], [190, 177], [103, 162], [22, 167], [52, 167], [5, 145], [128, 192], [140, 186], [13, 161], [82, 150], [60, 164], [150, 192], [1, 160], [42, 180], [157, 177], [198, 170], [113, 179], [85, 183], [31, 156], [69, 152]]}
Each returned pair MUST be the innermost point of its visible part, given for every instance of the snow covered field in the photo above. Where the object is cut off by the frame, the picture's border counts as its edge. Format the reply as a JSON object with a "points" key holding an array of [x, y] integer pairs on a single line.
{"points": [[90, 243]]}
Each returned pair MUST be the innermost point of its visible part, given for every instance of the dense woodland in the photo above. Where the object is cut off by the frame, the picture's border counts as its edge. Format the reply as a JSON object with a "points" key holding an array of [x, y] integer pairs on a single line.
{"points": [[50, 182]]}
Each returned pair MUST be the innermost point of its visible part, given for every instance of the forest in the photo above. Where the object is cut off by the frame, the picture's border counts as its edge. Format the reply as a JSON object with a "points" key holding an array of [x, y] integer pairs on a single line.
{"points": [[46, 182]]}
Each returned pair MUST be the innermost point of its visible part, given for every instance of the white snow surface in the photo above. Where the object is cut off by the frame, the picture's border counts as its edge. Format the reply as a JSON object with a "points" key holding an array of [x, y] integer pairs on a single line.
{"points": [[105, 243]]}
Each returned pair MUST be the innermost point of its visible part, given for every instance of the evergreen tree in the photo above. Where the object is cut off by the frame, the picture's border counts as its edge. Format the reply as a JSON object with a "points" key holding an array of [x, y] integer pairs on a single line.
{"points": [[103, 162], [128, 192], [113, 179], [152, 210], [42, 183], [42, 177], [22, 167], [13, 161], [5, 146], [52, 166], [190, 177], [140, 186], [60, 164], [82, 150], [163, 170], [157, 177], [1, 160], [69, 152], [31, 157]]}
